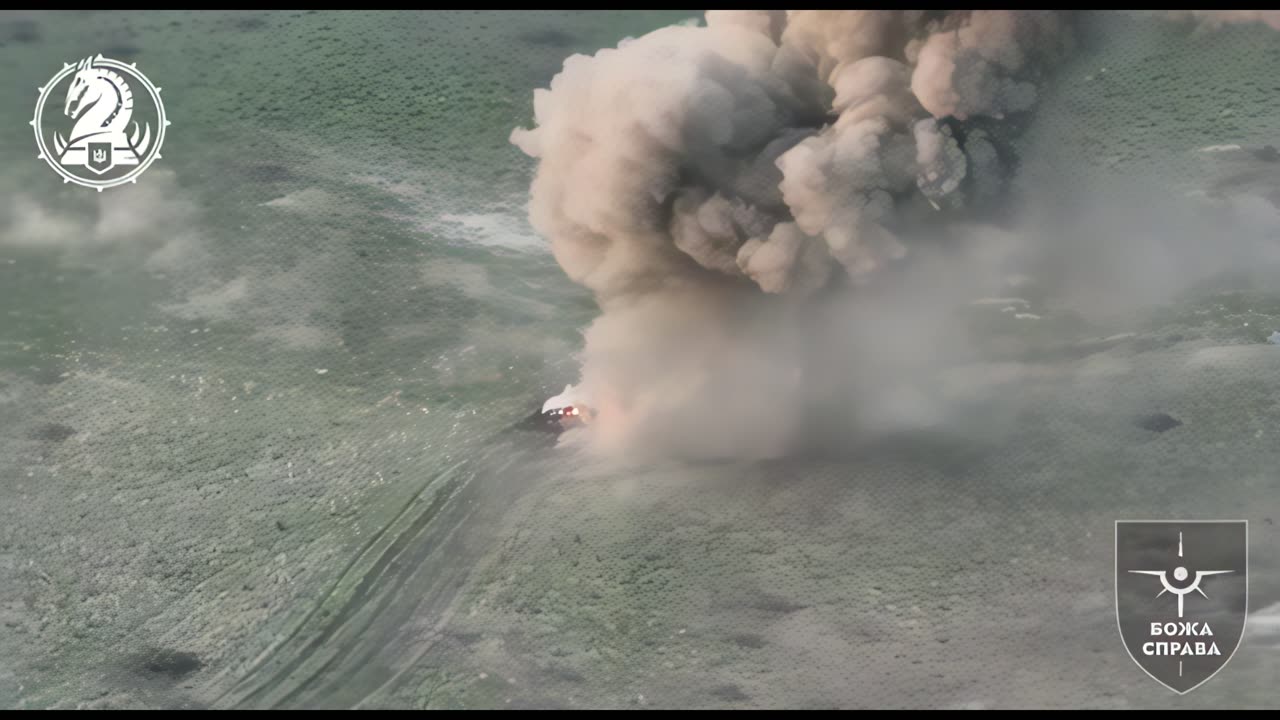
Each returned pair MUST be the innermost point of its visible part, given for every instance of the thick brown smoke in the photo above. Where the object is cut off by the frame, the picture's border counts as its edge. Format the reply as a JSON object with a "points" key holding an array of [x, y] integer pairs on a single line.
{"points": [[696, 144], [768, 150], [711, 184]]}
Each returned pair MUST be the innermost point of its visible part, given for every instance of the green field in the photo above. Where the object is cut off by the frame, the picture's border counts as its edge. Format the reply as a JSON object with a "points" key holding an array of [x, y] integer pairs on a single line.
{"points": [[254, 410]]}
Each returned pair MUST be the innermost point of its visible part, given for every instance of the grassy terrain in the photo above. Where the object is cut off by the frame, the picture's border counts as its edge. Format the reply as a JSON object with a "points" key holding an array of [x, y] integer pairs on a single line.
{"points": [[253, 413]]}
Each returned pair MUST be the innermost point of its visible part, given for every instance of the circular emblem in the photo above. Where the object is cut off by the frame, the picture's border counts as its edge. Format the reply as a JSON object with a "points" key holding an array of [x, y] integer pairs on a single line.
{"points": [[108, 127]]}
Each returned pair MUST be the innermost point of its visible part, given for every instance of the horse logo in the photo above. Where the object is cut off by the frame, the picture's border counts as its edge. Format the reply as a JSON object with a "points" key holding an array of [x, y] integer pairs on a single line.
{"points": [[110, 140]]}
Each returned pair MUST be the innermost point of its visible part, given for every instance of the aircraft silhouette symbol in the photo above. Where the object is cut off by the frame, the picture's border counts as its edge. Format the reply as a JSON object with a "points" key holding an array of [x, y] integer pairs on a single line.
{"points": [[1180, 573]]}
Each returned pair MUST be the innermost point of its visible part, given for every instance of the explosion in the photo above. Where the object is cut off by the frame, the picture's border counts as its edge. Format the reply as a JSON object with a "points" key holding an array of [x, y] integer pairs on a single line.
{"points": [[733, 194]]}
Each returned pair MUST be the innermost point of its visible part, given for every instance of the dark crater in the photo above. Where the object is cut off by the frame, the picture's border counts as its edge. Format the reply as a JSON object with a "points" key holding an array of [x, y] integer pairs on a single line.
{"points": [[1157, 422], [730, 693], [52, 432], [250, 24], [549, 37], [167, 663]]}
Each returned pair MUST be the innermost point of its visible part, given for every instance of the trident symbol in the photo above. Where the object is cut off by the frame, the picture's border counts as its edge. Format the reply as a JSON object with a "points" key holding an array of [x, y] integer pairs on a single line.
{"points": [[99, 155]]}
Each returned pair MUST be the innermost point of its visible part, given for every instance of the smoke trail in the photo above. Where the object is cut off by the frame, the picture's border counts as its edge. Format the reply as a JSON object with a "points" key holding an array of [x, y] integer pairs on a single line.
{"points": [[754, 204]]}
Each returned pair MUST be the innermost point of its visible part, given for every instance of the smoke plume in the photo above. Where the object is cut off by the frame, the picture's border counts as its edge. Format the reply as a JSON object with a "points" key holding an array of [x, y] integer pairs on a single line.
{"points": [[759, 204]]}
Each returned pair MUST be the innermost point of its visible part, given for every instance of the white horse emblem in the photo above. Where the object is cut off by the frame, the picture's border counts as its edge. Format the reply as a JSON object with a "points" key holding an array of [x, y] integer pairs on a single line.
{"points": [[105, 146]]}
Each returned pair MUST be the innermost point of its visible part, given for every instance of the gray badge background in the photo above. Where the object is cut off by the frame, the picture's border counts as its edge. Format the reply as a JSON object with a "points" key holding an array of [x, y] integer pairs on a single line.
{"points": [[1212, 545]]}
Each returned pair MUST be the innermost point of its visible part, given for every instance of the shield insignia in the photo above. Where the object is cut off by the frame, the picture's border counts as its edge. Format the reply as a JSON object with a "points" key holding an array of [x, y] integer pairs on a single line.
{"points": [[99, 159], [1182, 596]]}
